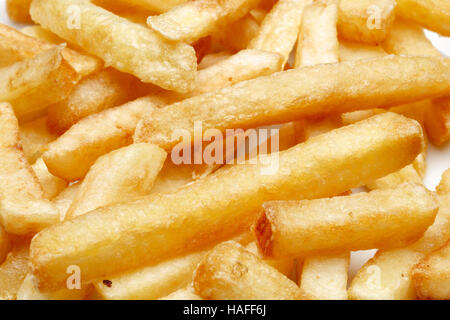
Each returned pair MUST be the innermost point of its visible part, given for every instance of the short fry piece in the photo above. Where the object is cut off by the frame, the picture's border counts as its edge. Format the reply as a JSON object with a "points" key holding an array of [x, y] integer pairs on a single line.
{"points": [[14, 270], [101, 33], [51, 185], [193, 20], [35, 136], [165, 225], [379, 219], [19, 10], [366, 21], [231, 272], [123, 175]]}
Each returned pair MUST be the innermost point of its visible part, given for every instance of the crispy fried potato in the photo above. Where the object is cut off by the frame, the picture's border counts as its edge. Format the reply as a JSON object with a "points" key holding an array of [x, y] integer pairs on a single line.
{"points": [[158, 6], [71, 155], [22, 83], [5, 244], [36, 31], [200, 214], [431, 276], [64, 200], [183, 294], [437, 122], [430, 14], [379, 219], [213, 58], [237, 36], [231, 272], [122, 44], [19, 10], [123, 175], [14, 270], [34, 135], [23, 208], [102, 90], [349, 51], [325, 277], [193, 20], [317, 42], [294, 94], [280, 28], [285, 266], [366, 21], [51, 185]]}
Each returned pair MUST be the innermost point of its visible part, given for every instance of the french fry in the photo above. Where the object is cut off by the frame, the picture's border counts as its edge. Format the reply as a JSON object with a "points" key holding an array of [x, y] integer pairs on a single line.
{"points": [[13, 270], [231, 272], [238, 34], [19, 10], [388, 274], [5, 244], [51, 185], [71, 155], [431, 276], [36, 31], [303, 92], [183, 294], [158, 6], [34, 136], [380, 219], [206, 208], [430, 14], [284, 19], [123, 175], [284, 266], [22, 83], [317, 42], [325, 277], [23, 208], [97, 92], [64, 200], [213, 58], [17, 46], [122, 44], [366, 21], [193, 20], [349, 51], [437, 122], [29, 291]]}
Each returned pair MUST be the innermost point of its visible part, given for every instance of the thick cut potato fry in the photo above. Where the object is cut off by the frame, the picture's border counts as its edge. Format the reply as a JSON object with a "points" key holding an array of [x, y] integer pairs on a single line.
{"points": [[285, 266], [51, 185], [430, 14], [280, 28], [122, 44], [201, 214], [193, 20], [13, 270], [29, 291], [237, 36], [349, 51], [231, 272], [102, 90], [5, 244], [366, 21], [325, 277], [23, 83], [64, 200], [431, 275], [294, 94], [123, 175], [317, 42], [23, 209], [19, 10], [34, 136], [388, 274], [71, 155], [183, 294], [16, 46], [437, 122], [379, 219]]}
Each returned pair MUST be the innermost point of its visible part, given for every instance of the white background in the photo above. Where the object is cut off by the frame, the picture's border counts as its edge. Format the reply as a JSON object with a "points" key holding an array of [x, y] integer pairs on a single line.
{"points": [[438, 159]]}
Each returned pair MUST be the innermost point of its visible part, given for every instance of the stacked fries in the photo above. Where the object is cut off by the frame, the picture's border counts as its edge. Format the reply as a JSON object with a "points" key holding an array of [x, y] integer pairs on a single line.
{"points": [[206, 149]]}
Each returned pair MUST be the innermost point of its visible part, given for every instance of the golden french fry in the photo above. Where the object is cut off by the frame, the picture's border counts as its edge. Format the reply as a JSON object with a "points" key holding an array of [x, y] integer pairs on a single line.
{"points": [[183, 294], [285, 266], [437, 122], [122, 44], [280, 28], [19, 10], [34, 136], [51, 185], [23, 83], [237, 35], [366, 21], [64, 200], [193, 20], [388, 274], [431, 14], [202, 214], [349, 51], [213, 58], [158, 6], [23, 208], [123, 175], [17, 46], [5, 244], [379, 219], [431, 276], [317, 42], [325, 277], [36, 31], [14, 270], [294, 94], [71, 155], [231, 272], [102, 90]]}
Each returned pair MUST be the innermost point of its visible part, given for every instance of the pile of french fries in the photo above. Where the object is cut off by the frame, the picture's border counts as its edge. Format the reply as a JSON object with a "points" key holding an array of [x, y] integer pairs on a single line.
{"points": [[94, 205]]}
